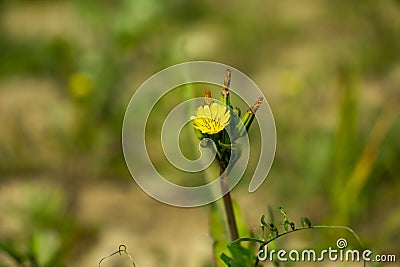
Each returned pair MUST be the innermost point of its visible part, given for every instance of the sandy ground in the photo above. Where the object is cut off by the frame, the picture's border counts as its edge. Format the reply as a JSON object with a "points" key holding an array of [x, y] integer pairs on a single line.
{"points": [[154, 233]]}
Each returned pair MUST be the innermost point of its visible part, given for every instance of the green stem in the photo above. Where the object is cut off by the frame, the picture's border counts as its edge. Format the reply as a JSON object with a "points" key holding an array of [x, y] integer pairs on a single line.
{"points": [[230, 215], [121, 248]]}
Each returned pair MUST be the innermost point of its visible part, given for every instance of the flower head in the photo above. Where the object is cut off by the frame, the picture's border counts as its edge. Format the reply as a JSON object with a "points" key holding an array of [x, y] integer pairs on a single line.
{"points": [[211, 119]]}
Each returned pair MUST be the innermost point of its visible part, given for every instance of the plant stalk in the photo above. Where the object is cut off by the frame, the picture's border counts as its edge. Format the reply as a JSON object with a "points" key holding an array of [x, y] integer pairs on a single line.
{"points": [[230, 215]]}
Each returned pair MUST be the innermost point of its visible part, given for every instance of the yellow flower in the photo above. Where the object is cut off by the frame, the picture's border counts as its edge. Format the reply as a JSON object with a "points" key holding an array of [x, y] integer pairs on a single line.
{"points": [[211, 119], [80, 84]]}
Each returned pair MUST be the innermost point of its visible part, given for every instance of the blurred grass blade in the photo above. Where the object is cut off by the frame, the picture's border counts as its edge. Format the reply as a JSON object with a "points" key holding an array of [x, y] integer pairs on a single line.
{"points": [[219, 234]]}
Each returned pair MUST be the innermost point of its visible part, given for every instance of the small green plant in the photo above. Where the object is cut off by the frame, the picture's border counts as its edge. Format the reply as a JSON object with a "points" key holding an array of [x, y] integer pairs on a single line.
{"points": [[217, 122], [218, 125], [242, 256], [211, 121]]}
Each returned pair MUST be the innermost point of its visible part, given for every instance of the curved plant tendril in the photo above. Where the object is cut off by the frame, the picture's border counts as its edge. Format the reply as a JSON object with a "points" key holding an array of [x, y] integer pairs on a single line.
{"points": [[274, 233], [121, 248]]}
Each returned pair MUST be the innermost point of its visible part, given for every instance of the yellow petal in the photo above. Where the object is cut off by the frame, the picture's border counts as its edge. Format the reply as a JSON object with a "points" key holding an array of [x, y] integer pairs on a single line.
{"points": [[211, 119], [200, 112], [214, 110], [221, 110], [207, 111], [225, 119]]}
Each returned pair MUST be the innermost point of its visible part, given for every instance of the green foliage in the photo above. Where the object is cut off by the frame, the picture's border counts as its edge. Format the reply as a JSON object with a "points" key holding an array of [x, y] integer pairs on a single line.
{"points": [[218, 232], [241, 256], [49, 237]]}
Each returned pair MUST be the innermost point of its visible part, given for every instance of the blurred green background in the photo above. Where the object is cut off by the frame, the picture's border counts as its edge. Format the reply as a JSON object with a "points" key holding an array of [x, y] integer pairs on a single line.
{"points": [[330, 71]]}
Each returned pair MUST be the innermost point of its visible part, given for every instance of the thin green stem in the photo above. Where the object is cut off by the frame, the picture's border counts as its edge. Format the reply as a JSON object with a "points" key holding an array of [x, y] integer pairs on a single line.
{"points": [[121, 248], [230, 215], [299, 229]]}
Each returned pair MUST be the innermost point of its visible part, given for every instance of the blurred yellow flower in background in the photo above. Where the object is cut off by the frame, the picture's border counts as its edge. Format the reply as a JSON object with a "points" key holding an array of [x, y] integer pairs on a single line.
{"points": [[211, 119], [80, 84]]}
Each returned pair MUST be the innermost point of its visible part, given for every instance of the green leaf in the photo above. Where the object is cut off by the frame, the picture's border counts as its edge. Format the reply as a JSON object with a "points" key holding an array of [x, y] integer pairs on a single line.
{"points": [[286, 225], [44, 246], [236, 254], [219, 234], [305, 222], [226, 259], [241, 256], [283, 213], [272, 228], [240, 220], [14, 254], [263, 223]]}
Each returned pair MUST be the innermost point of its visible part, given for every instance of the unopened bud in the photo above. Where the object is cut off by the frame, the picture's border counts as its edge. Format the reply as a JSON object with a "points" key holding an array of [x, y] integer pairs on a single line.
{"points": [[249, 117], [225, 88], [207, 99], [256, 105]]}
